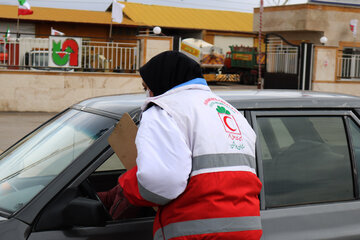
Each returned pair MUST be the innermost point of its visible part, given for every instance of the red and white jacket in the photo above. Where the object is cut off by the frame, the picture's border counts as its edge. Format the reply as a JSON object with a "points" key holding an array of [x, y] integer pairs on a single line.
{"points": [[196, 161]]}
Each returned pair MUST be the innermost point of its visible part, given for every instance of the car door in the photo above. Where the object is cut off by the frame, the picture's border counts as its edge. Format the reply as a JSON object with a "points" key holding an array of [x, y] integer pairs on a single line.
{"points": [[308, 165], [88, 222]]}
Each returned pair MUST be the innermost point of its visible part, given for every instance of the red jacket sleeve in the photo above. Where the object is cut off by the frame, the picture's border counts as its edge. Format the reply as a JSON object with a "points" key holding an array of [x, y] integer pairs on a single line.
{"points": [[128, 182]]}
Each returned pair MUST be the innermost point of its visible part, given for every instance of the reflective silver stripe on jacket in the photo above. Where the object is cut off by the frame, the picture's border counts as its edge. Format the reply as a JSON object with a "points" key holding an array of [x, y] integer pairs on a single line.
{"points": [[206, 226], [225, 162], [152, 197]]}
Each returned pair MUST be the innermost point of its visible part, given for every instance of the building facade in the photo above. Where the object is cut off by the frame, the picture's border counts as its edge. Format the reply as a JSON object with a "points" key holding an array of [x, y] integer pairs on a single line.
{"points": [[111, 53], [336, 62]]}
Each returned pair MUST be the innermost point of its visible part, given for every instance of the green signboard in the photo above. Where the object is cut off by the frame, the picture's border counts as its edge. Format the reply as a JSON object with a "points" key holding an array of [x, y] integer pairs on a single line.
{"points": [[65, 52]]}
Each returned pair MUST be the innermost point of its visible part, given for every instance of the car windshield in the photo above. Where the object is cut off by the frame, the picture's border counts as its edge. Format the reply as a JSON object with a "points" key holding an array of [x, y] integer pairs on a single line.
{"points": [[31, 164]]}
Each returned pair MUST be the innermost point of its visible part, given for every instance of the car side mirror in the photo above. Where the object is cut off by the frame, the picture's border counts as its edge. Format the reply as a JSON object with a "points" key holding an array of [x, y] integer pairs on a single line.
{"points": [[84, 212]]}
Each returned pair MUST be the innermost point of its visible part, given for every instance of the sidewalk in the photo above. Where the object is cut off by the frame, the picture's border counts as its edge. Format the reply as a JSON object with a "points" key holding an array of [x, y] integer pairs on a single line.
{"points": [[15, 125]]}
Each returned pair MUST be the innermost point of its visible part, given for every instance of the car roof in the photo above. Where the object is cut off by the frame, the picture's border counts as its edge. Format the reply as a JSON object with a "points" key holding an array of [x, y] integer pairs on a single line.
{"points": [[116, 105]]}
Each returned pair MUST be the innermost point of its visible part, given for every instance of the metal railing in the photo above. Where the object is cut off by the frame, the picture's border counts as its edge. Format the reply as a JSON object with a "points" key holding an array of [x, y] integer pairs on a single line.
{"points": [[33, 54], [348, 66], [110, 56], [281, 58]]}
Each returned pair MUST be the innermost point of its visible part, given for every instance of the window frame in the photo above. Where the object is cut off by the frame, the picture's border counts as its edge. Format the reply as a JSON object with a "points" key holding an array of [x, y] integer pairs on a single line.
{"points": [[352, 153], [344, 114]]}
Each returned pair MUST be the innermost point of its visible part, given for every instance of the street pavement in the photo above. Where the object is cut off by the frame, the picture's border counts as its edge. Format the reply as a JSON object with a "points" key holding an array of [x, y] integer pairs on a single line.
{"points": [[15, 125]]}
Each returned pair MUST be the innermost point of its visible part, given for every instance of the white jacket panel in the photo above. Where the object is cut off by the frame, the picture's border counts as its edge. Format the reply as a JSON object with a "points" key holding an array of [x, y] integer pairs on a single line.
{"points": [[164, 159], [209, 123]]}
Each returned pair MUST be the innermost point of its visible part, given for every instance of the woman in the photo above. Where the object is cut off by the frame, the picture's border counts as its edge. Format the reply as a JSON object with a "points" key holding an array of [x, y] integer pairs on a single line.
{"points": [[196, 157]]}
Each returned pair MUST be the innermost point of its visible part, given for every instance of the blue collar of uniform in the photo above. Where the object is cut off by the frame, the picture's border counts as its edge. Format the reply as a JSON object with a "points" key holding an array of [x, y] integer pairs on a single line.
{"points": [[193, 81]]}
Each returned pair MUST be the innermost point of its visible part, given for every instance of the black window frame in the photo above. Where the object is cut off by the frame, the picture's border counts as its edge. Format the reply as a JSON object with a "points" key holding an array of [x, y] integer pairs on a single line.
{"points": [[356, 174], [344, 114]]}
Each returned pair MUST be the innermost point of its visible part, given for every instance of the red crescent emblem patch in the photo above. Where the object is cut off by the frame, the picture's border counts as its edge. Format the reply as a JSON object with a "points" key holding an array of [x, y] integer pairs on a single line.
{"points": [[229, 123]]}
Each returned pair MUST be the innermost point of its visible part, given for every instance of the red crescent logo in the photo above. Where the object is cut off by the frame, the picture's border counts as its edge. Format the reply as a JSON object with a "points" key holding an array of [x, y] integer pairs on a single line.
{"points": [[227, 125]]}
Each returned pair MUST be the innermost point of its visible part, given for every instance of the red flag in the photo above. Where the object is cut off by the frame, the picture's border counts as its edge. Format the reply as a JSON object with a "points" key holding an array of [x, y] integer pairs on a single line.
{"points": [[24, 8]]}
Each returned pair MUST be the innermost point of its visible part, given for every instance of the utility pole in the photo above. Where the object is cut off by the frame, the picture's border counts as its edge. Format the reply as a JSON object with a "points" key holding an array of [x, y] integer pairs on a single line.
{"points": [[259, 51]]}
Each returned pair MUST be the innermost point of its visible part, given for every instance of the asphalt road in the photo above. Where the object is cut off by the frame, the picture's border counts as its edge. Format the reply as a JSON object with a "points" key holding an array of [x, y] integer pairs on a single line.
{"points": [[15, 125]]}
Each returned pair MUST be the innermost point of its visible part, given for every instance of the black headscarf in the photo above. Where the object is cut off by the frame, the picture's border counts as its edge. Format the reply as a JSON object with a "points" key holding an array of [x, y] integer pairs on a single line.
{"points": [[167, 70]]}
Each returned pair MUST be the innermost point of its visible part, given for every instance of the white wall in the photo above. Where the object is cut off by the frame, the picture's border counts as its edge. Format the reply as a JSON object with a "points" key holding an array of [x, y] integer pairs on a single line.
{"points": [[156, 46], [225, 41], [325, 64], [352, 88], [55, 91], [153, 45]]}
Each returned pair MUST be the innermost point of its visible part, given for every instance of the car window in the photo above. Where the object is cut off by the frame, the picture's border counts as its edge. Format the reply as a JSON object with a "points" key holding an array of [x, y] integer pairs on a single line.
{"points": [[111, 164], [27, 167], [104, 181], [355, 140], [305, 160]]}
